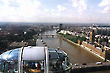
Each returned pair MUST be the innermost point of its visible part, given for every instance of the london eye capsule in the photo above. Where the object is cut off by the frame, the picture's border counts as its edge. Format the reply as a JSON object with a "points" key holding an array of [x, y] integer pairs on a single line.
{"points": [[34, 60]]}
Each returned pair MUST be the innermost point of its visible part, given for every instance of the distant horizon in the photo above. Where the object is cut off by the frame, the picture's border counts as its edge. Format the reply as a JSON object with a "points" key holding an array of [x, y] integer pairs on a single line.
{"points": [[55, 23], [58, 22]]}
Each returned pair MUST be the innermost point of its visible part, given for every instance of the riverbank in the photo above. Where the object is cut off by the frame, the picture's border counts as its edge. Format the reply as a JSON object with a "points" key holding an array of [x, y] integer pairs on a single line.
{"points": [[82, 47]]}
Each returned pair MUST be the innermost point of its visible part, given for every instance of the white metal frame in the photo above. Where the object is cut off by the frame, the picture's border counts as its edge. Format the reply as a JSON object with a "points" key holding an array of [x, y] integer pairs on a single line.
{"points": [[20, 60]]}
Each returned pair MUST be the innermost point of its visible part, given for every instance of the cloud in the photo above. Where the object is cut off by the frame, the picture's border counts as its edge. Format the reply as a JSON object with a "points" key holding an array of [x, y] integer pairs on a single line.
{"points": [[106, 9], [80, 5], [61, 8], [36, 11], [106, 5], [19, 10], [28, 11]]}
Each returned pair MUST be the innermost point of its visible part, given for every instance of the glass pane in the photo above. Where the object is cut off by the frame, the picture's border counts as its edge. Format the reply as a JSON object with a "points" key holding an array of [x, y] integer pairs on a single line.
{"points": [[14, 55], [10, 55], [33, 67], [9, 61], [53, 55], [8, 66]]}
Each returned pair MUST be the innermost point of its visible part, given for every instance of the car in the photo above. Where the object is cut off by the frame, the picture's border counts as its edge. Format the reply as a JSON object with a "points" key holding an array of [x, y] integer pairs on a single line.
{"points": [[98, 63], [41, 40], [84, 64], [76, 64]]}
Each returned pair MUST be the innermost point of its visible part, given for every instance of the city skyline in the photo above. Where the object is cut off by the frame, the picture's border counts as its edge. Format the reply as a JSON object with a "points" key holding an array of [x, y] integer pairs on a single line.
{"points": [[80, 11]]}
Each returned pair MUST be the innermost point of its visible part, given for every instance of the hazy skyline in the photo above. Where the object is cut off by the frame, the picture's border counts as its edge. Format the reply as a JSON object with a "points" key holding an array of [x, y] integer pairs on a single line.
{"points": [[81, 11]]}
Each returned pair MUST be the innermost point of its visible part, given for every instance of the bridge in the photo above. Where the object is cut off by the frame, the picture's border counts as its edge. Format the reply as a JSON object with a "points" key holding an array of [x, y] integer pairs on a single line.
{"points": [[90, 67], [47, 36]]}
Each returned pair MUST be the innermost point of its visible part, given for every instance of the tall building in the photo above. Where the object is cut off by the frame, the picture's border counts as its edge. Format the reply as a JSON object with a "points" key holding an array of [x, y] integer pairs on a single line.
{"points": [[92, 36], [99, 39], [60, 27], [107, 54], [108, 32]]}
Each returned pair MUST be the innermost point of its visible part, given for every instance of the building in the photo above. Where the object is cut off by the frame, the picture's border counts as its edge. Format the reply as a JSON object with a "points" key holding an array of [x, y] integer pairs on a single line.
{"points": [[99, 39], [92, 36], [60, 27], [18, 44], [79, 42], [107, 54], [102, 31]]}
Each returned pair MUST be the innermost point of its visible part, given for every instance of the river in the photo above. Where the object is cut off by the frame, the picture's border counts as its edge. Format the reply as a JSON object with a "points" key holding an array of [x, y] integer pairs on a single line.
{"points": [[76, 54]]}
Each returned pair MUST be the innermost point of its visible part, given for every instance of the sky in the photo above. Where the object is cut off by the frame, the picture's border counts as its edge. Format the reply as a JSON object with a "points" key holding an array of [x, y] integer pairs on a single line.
{"points": [[72, 11]]}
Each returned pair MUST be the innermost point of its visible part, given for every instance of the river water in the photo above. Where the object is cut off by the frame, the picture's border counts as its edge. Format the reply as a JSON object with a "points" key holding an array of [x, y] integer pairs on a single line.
{"points": [[76, 54]]}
